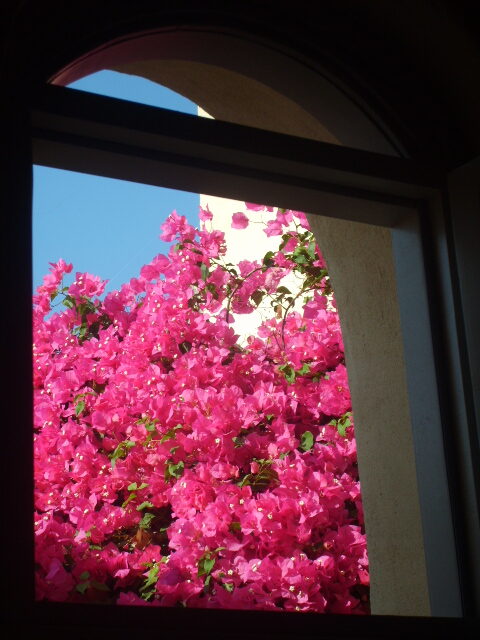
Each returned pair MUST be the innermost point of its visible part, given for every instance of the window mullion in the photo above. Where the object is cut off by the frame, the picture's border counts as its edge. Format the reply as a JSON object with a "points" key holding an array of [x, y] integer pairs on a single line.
{"points": [[95, 134]]}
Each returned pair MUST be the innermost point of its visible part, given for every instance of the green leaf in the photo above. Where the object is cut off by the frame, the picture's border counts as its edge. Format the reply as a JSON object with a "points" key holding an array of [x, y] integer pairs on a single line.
{"points": [[300, 259], [98, 388], [82, 587], [268, 259], [229, 586], [152, 576], [53, 295], [261, 480], [174, 470], [283, 290], [235, 526], [288, 372], [146, 521], [153, 434], [206, 564], [343, 423], [311, 249], [121, 451], [185, 346], [68, 302], [306, 441], [213, 290], [99, 586], [304, 370], [285, 238], [151, 581], [79, 407], [85, 575], [238, 441], [342, 429], [257, 296], [131, 497], [145, 505], [170, 434], [135, 487], [204, 271]]}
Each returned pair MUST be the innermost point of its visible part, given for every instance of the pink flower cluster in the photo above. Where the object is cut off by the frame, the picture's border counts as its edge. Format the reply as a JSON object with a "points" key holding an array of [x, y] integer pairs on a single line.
{"points": [[173, 466]]}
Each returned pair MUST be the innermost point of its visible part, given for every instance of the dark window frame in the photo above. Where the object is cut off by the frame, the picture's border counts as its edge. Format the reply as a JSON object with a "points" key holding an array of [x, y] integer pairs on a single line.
{"points": [[93, 134]]}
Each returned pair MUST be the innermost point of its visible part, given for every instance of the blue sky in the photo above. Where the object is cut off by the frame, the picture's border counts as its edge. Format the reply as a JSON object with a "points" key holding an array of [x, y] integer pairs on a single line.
{"points": [[107, 227]]}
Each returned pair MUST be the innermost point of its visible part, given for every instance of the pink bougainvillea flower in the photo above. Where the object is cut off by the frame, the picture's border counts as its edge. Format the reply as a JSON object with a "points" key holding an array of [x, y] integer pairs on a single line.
{"points": [[205, 214], [239, 221], [176, 466], [273, 228], [175, 224], [257, 207]]}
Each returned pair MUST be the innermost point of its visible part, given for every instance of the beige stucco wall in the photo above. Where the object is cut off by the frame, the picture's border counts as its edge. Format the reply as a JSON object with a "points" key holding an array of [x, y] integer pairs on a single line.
{"points": [[361, 266]]}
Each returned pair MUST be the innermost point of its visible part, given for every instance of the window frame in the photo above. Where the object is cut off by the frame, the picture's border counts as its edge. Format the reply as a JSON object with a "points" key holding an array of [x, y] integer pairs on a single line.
{"points": [[94, 134]]}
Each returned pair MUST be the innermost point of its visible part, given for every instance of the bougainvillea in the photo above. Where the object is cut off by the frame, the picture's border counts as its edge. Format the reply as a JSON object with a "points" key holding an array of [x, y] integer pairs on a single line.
{"points": [[174, 466]]}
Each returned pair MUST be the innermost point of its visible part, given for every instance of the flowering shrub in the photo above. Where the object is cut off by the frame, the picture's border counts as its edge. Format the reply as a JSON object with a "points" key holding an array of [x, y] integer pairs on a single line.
{"points": [[174, 466]]}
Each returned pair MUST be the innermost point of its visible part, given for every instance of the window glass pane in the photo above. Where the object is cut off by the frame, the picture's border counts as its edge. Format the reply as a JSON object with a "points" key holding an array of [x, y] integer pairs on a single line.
{"points": [[184, 457], [194, 440], [104, 226], [135, 89]]}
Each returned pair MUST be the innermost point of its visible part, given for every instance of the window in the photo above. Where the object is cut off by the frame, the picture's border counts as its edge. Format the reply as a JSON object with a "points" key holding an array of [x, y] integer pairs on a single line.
{"points": [[89, 216], [320, 179]]}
